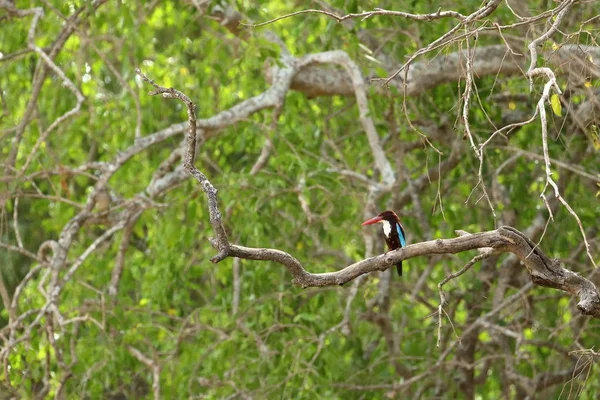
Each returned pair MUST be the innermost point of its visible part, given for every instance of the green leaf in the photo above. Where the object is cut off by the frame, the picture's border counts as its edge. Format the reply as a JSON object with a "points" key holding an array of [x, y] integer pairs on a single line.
{"points": [[555, 104]]}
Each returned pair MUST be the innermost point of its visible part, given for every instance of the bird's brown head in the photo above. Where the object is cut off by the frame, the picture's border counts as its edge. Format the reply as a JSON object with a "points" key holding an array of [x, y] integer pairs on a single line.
{"points": [[387, 215]]}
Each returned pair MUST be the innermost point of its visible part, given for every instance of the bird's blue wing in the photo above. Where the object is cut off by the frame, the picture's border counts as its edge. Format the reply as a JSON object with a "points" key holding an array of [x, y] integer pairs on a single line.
{"points": [[401, 235]]}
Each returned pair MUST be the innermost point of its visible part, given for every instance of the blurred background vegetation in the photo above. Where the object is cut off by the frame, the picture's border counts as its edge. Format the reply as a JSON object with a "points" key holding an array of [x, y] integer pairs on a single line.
{"points": [[281, 341]]}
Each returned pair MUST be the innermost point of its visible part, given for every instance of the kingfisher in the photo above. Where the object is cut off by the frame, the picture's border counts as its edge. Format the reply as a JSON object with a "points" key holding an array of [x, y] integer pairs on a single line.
{"points": [[392, 230]]}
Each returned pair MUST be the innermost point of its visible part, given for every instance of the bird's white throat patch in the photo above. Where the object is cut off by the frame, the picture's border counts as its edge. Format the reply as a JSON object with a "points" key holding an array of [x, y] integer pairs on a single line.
{"points": [[387, 228]]}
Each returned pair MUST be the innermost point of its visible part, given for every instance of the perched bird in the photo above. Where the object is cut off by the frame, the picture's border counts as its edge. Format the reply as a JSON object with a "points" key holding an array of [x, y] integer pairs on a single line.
{"points": [[392, 230]]}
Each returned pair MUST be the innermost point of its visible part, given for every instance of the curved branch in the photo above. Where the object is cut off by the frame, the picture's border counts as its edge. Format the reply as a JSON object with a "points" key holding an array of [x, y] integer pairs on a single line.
{"points": [[207, 187], [339, 57], [543, 270]]}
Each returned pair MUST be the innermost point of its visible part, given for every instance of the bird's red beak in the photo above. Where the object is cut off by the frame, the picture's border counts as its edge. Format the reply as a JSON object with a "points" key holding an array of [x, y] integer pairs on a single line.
{"points": [[372, 221]]}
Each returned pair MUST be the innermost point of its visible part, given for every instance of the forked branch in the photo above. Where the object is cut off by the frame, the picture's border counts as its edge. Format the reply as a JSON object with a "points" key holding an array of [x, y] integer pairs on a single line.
{"points": [[543, 270]]}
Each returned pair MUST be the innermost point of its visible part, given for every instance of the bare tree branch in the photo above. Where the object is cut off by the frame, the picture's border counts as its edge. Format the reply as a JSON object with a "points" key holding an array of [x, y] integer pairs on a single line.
{"points": [[543, 271]]}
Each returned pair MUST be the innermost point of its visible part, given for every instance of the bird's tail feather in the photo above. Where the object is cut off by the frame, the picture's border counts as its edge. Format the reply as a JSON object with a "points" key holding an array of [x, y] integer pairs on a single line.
{"points": [[399, 268]]}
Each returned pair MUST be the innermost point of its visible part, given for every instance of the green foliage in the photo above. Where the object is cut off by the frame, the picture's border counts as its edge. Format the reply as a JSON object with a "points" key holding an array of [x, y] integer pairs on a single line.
{"points": [[175, 305]]}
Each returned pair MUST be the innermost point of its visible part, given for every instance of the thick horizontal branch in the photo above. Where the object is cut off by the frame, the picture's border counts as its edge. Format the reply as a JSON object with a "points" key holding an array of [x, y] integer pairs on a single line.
{"points": [[543, 271], [315, 80]]}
